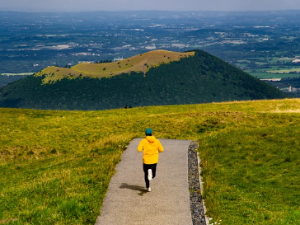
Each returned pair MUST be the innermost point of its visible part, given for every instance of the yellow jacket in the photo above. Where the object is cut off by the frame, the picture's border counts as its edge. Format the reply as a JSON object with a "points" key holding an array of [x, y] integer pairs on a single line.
{"points": [[152, 147]]}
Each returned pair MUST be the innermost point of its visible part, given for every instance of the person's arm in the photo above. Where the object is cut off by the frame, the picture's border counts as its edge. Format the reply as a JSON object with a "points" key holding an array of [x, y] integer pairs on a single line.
{"points": [[141, 146], [160, 147]]}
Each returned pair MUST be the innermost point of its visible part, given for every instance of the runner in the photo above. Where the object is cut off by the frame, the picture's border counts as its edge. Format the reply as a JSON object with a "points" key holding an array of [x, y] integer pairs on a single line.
{"points": [[151, 147]]}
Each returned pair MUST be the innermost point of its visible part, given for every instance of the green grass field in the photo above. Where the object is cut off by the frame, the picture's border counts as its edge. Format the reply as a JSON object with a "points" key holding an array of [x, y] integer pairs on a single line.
{"points": [[285, 71], [265, 75], [55, 166]]}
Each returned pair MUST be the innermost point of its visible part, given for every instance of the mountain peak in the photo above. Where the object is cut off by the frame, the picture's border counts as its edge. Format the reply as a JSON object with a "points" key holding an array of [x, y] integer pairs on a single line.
{"points": [[138, 63]]}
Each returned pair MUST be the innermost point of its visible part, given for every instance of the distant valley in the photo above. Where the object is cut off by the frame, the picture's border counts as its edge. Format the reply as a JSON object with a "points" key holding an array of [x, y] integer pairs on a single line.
{"points": [[264, 44]]}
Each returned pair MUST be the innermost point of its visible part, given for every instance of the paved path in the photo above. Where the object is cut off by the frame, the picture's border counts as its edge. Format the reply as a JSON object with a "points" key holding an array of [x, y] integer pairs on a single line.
{"points": [[128, 203]]}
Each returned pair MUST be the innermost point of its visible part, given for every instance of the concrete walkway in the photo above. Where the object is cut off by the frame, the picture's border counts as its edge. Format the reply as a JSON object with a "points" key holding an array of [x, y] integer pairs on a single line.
{"points": [[128, 203]]}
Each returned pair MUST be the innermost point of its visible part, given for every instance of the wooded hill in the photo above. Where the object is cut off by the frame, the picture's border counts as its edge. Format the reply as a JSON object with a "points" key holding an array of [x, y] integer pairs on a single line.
{"points": [[188, 78]]}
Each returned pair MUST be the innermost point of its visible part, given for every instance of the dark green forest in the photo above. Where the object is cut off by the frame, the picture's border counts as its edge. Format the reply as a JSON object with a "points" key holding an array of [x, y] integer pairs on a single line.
{"points": [[202, 78], [4, 80]]}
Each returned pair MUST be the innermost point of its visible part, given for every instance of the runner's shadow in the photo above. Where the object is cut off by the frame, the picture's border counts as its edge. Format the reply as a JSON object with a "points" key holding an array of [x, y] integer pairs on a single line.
{"points": [[134, 188]]}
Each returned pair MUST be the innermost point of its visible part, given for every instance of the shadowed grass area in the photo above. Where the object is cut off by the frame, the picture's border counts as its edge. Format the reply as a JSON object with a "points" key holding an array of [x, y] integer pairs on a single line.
{"points": [[55, 166]]}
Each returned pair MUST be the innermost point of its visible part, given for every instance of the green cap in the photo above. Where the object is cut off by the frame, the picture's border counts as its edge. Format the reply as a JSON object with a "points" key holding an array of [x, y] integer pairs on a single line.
{"points": [[148, 131]]}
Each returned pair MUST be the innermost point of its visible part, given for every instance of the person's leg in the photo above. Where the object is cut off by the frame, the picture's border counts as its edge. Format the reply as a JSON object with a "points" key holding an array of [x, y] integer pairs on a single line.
{"points": [[153, 168], [146, 167]]}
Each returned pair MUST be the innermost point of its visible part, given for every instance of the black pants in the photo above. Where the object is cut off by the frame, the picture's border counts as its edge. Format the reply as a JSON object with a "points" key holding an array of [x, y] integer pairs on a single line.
{"points": [[146, 167]]}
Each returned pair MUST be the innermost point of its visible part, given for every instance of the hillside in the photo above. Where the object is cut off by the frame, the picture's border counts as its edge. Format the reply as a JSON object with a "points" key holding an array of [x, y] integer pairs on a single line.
{"points": [[139, 63], [55, 166], [171, 78]]}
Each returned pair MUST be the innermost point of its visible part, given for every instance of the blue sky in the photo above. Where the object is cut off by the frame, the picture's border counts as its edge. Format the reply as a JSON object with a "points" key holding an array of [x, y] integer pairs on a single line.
{"points": [[172, 5]]}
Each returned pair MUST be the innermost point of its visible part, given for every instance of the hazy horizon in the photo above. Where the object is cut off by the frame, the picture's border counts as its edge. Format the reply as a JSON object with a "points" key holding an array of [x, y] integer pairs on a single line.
{"points": [[154, 10], [139, 5]]}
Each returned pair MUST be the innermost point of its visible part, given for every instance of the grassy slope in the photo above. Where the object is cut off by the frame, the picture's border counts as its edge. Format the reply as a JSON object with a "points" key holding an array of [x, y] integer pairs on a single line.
{"points": [[55, 166], [138, 63]]}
